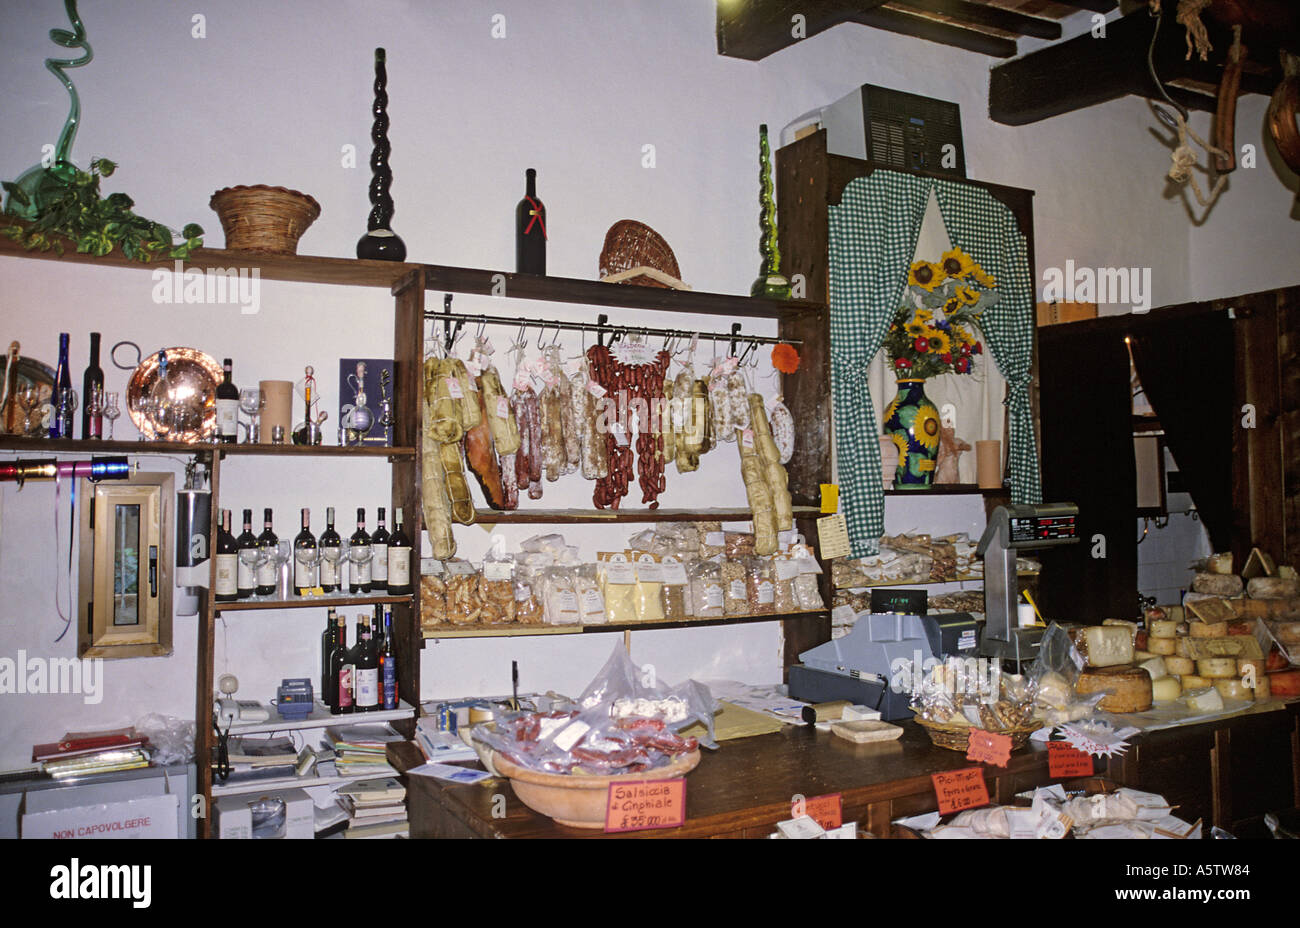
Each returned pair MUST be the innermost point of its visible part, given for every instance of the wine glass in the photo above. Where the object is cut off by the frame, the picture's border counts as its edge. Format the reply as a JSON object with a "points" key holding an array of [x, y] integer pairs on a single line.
{"points": [[283, 555], [251, 401], [253, 558], [309, 558], [28, 399], [95, 407], [112, 409], [357, 556]]}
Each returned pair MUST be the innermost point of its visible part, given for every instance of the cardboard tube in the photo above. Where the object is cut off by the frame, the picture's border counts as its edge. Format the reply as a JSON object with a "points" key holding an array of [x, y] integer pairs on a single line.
{"points": [[277, 408], [825, 711], [988, 464]]}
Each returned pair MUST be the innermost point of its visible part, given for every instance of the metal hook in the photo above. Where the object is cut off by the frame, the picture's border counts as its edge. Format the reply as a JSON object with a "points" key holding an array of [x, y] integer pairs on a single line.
{"points": [[450, 331], [735, 330], [541, 333], [482, 326]]}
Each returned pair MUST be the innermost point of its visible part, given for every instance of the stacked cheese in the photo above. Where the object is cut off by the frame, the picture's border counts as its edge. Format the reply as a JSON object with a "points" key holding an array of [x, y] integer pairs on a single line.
{"points": [[1109, 651], [1204, 660]]}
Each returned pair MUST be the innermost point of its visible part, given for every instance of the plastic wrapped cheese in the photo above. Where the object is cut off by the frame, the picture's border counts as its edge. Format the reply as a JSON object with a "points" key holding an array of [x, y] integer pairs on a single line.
{"points": [[1155, 666], [1108, 646], [1205, 701]]}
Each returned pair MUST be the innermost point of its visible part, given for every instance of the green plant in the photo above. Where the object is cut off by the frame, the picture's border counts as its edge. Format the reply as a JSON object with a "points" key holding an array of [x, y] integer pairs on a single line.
{"points": [[77, 212]]}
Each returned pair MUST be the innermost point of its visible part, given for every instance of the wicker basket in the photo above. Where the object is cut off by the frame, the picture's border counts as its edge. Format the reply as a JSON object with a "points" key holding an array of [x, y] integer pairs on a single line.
{"points": [[264, 220], [630, 244], [957, 737]]}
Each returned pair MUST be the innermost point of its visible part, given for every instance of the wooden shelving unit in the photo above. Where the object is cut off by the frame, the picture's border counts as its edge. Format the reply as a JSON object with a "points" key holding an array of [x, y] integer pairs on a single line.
{"points": [[807, 393], [309, 602], [516, 631]]}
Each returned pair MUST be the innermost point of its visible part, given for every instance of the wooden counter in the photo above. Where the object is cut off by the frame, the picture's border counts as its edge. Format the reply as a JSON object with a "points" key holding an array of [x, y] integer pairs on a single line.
{"points": [[743, 789]]}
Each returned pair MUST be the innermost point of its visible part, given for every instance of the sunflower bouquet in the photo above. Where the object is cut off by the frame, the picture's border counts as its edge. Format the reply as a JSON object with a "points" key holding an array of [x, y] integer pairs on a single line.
{"points": [[934, 332]]}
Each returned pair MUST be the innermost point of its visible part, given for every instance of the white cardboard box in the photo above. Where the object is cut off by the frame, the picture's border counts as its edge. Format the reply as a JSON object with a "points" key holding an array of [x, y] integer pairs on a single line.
{"points": [[75, 814], [232, 816]]}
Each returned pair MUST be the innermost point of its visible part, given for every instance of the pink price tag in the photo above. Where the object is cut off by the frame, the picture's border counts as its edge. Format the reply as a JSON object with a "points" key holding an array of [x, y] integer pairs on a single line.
{"points": [[503, 408], [453, 388], [638, 805]]}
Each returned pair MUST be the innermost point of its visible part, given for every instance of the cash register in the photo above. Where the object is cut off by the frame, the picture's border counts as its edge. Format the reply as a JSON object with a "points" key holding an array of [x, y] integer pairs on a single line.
{"points": [[1011, 529]]}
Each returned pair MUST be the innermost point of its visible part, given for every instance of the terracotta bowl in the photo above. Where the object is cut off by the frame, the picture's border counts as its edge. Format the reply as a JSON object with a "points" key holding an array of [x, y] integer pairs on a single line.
{"points": [[574, 799]]}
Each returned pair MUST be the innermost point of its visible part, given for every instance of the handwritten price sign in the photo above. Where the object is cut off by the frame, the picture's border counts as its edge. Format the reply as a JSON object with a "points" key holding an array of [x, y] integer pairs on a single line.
{"points": [[988, 748], [960, 789], [640, 805], [826, 811], [1064, 761]]}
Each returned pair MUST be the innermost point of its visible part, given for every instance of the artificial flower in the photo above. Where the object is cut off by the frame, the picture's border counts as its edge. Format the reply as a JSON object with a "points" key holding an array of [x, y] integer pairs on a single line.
{"points": [[962, 365], [921, 344], [902, 363], [968, 296], [957, 263], [925, 428], [978, 349], [785, 358], [939, 342], [984, 280]]}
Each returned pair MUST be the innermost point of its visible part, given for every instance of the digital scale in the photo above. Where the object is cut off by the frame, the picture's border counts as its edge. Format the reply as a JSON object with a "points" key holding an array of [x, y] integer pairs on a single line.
{"points": [[1019, 527]]}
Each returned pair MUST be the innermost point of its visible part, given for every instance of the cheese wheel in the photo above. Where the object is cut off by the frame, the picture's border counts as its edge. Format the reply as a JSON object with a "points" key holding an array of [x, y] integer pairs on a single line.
{"points": [[1192, 682], [1219, 563], [1163, 628], [1217, 584], [1179, 665], [1141, 657], [1288, 633], [1181, 647], [1241, 627], [1217, 668], [1243, 663], [1174, 612], [1155, 666], [1263, 688], [1162, 647], [1233, 689], [1107, 645], [1165, 689], [1127, 689], [1272, 587], [1206, 701], [1208, 629]]}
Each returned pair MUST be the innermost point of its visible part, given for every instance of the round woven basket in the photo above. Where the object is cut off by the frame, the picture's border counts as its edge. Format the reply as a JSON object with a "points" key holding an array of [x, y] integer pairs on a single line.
{"points": [[262, 219], [630, 244], [957, 737]]}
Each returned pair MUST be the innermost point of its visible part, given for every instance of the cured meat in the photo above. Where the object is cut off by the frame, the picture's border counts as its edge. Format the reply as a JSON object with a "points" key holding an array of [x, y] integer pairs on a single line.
{"points": [[509, 481], [528, 460], [482, 457]]}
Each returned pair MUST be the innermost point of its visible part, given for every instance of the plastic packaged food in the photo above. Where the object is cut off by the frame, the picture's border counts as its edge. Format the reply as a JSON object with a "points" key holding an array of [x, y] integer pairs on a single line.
{"points": [[649, 586], [561, 602], [735, 588], [618, 585], [673, 594], [712, 539], [433, 596], [706, 597], [760, 586], [528, 605], [591, 603], [738, 544], [784, 572], [497, 586], [464, 605]]}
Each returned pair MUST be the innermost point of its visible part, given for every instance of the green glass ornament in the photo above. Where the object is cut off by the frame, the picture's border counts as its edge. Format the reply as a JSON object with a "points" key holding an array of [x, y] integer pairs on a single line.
{"points": [[770, 283]]}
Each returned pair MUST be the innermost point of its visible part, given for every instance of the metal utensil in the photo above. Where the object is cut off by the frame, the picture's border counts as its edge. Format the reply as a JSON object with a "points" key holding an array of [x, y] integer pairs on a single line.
{"points": [[185, 407]]}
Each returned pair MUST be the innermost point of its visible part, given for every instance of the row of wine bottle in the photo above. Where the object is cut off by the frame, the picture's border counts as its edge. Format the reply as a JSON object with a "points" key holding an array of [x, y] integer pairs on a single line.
{"points": [[362, 678], [376, 563]]}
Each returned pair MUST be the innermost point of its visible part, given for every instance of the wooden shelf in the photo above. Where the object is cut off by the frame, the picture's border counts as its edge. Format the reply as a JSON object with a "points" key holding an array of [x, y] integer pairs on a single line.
{"points": [[508, 631], [960, 578], [386, 274], [321, 717], [598, 516], [309, 602], [951, 489], [27, 445], [292, 782]]}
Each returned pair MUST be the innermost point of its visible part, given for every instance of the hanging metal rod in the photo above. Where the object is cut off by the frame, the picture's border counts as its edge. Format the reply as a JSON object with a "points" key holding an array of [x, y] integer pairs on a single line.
{"points": [[602, 327]]}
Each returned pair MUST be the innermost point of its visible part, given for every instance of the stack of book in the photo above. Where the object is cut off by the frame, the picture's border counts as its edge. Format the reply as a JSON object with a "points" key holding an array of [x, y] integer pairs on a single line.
{"points": [[253, 759], [79, 754], [361, 750], [440, 746], [376, 809]]}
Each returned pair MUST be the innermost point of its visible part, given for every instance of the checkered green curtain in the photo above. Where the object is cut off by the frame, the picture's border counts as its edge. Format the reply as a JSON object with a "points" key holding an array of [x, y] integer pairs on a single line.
{"points": [[873, 233], [982, 226]]}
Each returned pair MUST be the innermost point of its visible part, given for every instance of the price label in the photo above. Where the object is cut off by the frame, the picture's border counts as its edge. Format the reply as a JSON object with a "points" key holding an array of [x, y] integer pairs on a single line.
{"points": [[473, 367], [987, 747], [830, 497], [1065, 761], [503, 408], [960, 789], [453, 388], [833, 536], [747, 439], [826, 811], [522, 380], [640, 805], [595, 389]]}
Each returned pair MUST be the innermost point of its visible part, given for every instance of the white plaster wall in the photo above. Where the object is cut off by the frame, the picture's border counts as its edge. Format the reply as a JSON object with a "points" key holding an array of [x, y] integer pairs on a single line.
{"points": [[576, 89]]}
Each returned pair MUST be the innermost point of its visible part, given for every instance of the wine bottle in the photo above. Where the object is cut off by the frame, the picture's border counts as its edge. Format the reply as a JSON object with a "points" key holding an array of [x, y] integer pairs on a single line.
{"points": [[61, 420], [379, 556], [91, 381], [227, 408], [399, 559], [359, 575], [305, 553], [530, 230], [226, 586], [330, 546], [341, 667], [378, 625], [267, 579], [328, 684], [246, 574], [9, 418], [367, 669], [388, 661]]}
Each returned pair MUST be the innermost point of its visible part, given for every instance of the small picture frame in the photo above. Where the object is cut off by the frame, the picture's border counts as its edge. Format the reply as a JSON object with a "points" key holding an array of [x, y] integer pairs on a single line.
{"points": [[367, 401]]}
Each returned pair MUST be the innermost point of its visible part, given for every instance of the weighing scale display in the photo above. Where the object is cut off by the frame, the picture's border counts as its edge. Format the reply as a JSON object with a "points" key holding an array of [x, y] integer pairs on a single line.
{"points": [[1037, 530]]}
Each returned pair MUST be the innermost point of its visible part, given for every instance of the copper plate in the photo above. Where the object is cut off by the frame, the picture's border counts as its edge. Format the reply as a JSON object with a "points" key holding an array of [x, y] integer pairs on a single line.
{"points": [[190, 413]]}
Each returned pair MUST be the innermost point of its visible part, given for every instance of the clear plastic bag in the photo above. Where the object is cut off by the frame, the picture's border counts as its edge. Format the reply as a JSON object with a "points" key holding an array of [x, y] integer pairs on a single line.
{"points": [[528, 602], [591, 603], [735, 594], [712, 539], [673, 592], [464, 604], [171, 739], [760, 586], [618, 586], [561, 605], [707, 598], [497, 585]]}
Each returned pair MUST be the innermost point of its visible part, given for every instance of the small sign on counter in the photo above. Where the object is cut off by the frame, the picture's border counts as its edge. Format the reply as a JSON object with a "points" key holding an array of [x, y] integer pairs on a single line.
{"points": [[988, 747], [833, 536], [827, 811], [1065, 761], [640, 805], [960, 789]]}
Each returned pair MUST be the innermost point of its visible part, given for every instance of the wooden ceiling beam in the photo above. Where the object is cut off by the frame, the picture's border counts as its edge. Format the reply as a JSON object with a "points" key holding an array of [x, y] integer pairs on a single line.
{"points": [[1095, 6], [971, 40], [994, 17], [1084, 71]]}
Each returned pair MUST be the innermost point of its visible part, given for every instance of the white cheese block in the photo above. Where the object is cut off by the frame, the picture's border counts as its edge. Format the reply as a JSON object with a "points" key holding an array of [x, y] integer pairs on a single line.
{"points": [[1233, 689], [1162, 646], [1179, 665], [1208, 629], [1165, 689], [1108, 645], [1162, 628], [1217, 668], [1205, 701], [1155, 666]]}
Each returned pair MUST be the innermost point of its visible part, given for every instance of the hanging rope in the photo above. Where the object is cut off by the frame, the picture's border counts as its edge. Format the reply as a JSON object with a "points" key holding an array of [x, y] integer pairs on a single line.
{"points": [[1189, 16], [1184, 159]]}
